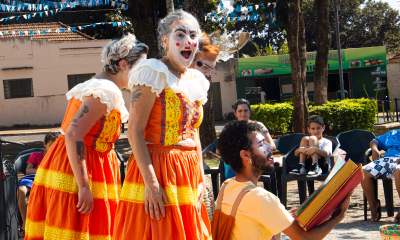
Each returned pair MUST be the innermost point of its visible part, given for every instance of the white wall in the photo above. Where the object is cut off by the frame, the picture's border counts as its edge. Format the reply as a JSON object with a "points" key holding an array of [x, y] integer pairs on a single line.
{"points": [[224, 73], [51, 63]]}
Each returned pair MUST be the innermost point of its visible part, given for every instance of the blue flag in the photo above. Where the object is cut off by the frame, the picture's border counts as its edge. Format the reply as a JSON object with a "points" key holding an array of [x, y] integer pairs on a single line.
{"points": [[115, 24], [73, 29], [44, 32], [63, 30], [238, 8]]}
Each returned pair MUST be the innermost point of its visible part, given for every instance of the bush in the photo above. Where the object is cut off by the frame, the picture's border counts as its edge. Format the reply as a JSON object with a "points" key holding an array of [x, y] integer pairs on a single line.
{"points": [[276, 117], [348, 114], [339, 116]]}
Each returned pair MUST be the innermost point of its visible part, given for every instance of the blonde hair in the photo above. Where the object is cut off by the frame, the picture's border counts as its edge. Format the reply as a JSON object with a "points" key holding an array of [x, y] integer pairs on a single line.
{"points": [[125, 48]]}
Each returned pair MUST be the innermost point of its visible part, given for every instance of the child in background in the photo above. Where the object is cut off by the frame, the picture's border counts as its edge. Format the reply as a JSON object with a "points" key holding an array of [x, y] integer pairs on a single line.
{"points": [[26, 182], [313, 147]]}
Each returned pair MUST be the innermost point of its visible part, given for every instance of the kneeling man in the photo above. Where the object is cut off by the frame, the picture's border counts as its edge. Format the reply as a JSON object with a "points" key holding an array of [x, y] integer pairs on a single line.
{"points": [[260, 215]]}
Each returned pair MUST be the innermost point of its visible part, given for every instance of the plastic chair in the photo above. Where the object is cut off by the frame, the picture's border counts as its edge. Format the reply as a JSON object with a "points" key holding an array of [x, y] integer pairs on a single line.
{"points": [[213, 172], [121, 162], [387, 188], [355, 143], [290, 160], [22, 157], [286, 143]]}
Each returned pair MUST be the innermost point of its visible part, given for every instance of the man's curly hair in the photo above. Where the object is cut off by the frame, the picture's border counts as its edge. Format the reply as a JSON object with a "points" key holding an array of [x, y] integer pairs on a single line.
{"points": [[234, 138]]}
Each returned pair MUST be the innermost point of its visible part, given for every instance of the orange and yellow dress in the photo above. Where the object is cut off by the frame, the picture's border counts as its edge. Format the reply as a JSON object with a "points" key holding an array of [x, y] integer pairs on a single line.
{"points": [[52, 212], [171, 136]]}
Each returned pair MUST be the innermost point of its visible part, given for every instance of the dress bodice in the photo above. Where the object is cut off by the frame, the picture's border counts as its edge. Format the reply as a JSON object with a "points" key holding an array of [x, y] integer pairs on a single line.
{"points": [[177, 112], [106, 131]]}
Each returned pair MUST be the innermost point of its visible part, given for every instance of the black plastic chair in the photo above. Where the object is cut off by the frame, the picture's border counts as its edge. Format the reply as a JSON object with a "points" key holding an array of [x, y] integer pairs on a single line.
{"points": [[387, 188], [121, 162], [290, 160], [286, 143], [213, 172], [355, 143], [21, 159]]}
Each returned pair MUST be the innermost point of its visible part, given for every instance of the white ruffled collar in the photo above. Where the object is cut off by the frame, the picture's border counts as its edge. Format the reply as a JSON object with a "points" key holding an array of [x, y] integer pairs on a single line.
{"points": [[193, 89], [106, 90]]}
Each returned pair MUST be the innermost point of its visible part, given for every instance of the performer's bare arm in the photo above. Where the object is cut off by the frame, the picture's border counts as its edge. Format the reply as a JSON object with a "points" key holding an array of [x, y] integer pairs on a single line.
{"points": [[142, 102], [89, 113], [374, 148], [202, 185]]}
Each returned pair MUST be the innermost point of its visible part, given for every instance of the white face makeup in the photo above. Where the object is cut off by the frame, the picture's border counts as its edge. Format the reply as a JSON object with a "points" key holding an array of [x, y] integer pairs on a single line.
{"points": [[206, 68], [264, 148], [183, 43]]}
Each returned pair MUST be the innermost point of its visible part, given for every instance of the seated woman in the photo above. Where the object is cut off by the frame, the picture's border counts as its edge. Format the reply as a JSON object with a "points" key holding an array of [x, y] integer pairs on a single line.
{"points": [[242, 111], [26, 182]]}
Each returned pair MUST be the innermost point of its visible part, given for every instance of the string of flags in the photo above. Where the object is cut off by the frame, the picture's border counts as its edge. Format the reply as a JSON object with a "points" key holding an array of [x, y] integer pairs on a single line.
{"points": [[241, 13], [46, 13], [60, 30], [15, 6]]}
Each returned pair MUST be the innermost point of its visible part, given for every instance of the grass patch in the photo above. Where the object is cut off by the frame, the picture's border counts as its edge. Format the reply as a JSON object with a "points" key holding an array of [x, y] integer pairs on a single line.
{"points": [[211, 160]]}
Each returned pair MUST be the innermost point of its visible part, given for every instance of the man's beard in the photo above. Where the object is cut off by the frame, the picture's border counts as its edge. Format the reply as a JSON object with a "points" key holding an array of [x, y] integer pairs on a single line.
{"points": [[261, 164]]}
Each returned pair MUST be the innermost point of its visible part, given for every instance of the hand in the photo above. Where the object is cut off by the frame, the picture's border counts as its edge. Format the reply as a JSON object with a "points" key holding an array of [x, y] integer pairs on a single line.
{"points": [[340, 212], [398, 160], [85, 201], [200, 194], [154, 200], [309, 151], [303, 149]]}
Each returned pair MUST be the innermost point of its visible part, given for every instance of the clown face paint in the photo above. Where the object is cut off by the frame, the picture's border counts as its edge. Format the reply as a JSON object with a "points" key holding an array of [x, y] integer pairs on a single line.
{"points": [[183, 42], [264, 148], [206, 68]]}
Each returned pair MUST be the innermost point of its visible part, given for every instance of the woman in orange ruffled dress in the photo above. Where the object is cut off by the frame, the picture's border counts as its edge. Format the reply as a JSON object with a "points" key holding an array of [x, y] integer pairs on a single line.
{"points": [[162, 193], [76, 189]]}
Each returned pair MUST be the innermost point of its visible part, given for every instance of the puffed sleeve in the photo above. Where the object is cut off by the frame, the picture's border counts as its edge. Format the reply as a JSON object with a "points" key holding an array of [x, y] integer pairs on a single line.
{"points": [[105, 90], [151, 73]]}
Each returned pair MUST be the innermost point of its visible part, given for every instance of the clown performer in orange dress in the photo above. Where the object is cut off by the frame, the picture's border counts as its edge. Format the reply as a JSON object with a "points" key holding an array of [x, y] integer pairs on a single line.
{"points": [[76, 189], [162, 193]]}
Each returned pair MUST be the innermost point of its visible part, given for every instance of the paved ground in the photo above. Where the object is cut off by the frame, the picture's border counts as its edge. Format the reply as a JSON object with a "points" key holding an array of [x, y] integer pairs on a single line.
{"points": [[352, 227]]}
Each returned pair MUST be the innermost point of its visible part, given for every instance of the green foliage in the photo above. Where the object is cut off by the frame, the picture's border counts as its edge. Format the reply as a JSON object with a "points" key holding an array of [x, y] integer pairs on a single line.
{"points": [[345, 115], [276, 117], [339, 116]]}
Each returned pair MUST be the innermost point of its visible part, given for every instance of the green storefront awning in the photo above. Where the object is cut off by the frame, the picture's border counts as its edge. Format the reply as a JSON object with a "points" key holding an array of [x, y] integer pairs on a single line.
{"points": [[280, 64]]}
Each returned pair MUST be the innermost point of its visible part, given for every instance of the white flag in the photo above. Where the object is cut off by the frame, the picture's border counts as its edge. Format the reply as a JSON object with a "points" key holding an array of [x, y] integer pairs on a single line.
{"points": [[57, 30], [13, 33], [1, 33], [24, 16], [47, 14], [119, 24], [37, 32], [49, 31], [69, 29], [26, 33], [33, 14], [80, 27]]}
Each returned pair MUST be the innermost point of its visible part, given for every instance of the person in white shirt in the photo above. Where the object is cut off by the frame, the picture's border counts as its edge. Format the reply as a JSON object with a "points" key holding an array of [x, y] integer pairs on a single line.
{"points": [[263, 96], [313, 147]]}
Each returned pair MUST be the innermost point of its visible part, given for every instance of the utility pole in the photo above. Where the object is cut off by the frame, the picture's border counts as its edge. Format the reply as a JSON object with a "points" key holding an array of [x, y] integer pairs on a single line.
{"points": [[170, 6], [337, 7]]}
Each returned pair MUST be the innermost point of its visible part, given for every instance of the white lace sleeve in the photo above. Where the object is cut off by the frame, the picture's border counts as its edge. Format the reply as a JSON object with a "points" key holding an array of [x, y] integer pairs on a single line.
{"points": [[105, 90], [152, 73]]}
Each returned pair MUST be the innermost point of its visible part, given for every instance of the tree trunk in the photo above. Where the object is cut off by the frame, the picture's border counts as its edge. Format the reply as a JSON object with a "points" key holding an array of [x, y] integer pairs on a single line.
{"points": [[170, 6], [296, 43], [207, 128], [321, 63], [303, 63], [196, 8]]}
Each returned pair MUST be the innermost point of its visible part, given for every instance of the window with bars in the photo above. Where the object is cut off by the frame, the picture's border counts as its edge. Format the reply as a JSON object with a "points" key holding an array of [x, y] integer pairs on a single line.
{"points": [[75, 79], [18, 88]]}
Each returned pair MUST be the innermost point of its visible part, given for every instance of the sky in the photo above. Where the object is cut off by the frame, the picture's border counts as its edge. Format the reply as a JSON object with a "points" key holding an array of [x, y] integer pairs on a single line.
{"points": [[393, 3]]}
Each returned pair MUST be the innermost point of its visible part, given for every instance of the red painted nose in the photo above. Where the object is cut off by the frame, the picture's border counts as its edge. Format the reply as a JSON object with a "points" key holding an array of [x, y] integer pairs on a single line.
{"points": [[189, 43]]}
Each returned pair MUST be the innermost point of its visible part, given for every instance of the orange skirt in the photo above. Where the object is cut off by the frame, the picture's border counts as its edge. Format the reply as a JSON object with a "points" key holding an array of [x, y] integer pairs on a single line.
{"points": [[178, 172], [52, 212]]}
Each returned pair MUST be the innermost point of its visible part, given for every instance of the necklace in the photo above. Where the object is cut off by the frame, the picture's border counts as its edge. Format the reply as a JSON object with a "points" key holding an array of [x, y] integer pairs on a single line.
{"points": [[173, 68]]}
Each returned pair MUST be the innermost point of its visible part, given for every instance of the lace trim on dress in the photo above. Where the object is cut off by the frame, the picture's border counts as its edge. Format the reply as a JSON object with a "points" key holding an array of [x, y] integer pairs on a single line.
{"points": [[108, 93]]}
